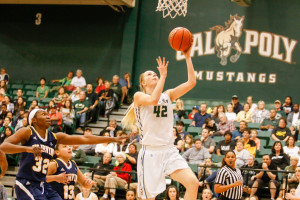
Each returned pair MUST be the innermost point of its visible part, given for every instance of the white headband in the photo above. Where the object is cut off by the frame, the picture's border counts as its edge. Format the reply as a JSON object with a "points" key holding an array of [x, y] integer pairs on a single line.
{"points": [[32, 114]]}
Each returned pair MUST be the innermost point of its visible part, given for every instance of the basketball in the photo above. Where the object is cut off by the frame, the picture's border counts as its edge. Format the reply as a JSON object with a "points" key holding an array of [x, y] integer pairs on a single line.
{"points": [[180, 39]]}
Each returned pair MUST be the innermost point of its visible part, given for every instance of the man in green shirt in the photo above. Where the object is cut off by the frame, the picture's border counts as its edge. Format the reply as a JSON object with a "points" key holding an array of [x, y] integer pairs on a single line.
{"points": [[271, 123], [81, 107], [279, 113]]}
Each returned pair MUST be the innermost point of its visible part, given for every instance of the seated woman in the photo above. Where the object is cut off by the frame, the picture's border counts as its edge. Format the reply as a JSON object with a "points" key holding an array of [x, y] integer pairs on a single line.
{"points": [[215, 115], [255, 139], [34, 104], [179, 112], [10, 106], [132, 156], [172, 193], [75, 94], [290, 149], [241, 154], [121, 147], [188, 143], [104, 147], [100, 85], [230, 114], [68, 115], [279, 158], [19, 106], [117, 179], [42, 91], [58, 99]]}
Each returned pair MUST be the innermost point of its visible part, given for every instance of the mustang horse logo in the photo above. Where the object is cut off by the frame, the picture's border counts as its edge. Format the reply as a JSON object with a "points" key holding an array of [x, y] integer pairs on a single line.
{"points": [[227, 38]]}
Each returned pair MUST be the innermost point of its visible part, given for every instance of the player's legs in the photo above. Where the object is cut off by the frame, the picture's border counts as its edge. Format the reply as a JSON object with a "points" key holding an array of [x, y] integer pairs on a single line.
{"points": [[188, 179], [27, 190]]}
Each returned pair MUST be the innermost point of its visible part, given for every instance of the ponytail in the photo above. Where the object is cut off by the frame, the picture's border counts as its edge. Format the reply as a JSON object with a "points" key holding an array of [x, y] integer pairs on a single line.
{"points": [[129, 118]]}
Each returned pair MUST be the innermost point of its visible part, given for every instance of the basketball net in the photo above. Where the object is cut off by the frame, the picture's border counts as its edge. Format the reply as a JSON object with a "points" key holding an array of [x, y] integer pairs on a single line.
{"points": [[172, 8]]}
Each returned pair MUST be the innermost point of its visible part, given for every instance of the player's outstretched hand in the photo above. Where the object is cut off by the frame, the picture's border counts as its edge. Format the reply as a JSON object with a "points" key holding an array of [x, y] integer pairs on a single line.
{"points": [[36, 150], [63, 178], [120, 138], [88, 183], [3, 163], [187, 53], [162, 66]]}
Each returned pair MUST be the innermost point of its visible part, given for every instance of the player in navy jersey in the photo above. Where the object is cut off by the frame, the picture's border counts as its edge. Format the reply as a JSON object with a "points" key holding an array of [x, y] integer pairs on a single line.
{"points": [[37, 149], [63, 168]]}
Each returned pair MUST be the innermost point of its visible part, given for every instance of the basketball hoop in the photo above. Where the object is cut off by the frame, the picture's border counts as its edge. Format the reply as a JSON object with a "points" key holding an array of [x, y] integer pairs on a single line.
{"points": [[172, 8]]}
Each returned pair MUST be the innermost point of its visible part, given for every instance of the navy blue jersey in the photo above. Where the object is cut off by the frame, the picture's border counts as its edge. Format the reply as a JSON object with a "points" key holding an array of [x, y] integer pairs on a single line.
{"points": [[35, 169], [66, 191]]}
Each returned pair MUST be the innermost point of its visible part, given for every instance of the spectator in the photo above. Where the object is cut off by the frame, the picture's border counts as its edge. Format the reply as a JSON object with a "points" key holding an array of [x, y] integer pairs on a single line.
{"points": [[132, 156], [281, 132], [59, 98], [292, 179], [195, 110], [279, 158], [3, 113], [215, 115], [78, 155], [116, 87], [2, 93], [34, 104], [100, 176], [210, 124], [43, 90], [134, 134], [293, 120], [100, 85], [287, 106], [249, 145], [237, 134], [244, 115], [279, 113], [19, 106], [199, 118], [68, 115], [24, 123], [19, 94], [78, 80], [81, 107], [121, 147], [75, 94], [126, 85], [180, 126], [93, 98], [50, 105], [178, 142], [290, 149], [179, 112], [208, 171], [207, 141], [89, 149], [241, 154], [221, 109], [112, 128], [229, 113], [172, 193], [103, 148], [266, 179], [237, 107], [206, 194], [10, 106], [296, 195], [3, 85], [4, 76], [269, 123], [56, 119], [65, 81], [225, 145], [188, 143], [252, 105], [64, 99], [261, 113], [130, 194], [249, 175], [197, 154], [105, 95], [253, 133], [5, 132], [117, 179], [225, 125], [86, 194]]}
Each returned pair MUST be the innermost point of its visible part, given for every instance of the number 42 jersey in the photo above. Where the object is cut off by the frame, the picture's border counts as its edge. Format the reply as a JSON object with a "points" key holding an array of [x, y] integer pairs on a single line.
{"points": [[156, 122], [35, 168]]}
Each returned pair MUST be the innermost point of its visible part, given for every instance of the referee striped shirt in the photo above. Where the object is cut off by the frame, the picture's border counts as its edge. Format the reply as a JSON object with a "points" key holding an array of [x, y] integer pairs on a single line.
{"points": [[227, 176]]}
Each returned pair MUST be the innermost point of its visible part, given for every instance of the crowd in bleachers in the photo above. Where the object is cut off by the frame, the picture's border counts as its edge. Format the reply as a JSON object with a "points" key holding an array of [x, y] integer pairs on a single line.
{"points": [[261, 138]]}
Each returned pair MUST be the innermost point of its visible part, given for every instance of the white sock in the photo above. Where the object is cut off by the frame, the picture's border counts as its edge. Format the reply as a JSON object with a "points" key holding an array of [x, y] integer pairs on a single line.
{"points": [[105, 195]]}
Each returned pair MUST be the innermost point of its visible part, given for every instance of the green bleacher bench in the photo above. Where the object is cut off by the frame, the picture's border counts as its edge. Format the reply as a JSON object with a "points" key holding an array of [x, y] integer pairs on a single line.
{"points": [[217, 139], [16, 86], [194, 168], [263, 151], [30, 93], [30, 87], [91, 161], [259, 160], [194, 131], [271, 143], [253, 125], [217, 158]]}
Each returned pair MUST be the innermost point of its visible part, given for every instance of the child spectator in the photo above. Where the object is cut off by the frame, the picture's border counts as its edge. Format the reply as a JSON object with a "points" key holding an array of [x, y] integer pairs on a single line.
{"points": [[130, 194], [255, 139], [86, 194], [230, 114]]}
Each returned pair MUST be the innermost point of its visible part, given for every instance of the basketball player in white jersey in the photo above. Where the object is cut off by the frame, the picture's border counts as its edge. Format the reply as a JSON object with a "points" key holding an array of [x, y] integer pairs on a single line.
{"points": [[152, 111]]}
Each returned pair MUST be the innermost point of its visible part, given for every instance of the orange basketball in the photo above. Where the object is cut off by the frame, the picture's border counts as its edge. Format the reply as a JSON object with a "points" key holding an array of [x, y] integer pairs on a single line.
{"points": [[180, 39]]}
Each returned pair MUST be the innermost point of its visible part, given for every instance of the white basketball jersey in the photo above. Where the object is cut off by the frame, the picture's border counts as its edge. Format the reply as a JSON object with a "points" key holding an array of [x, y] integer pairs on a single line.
{"points": [[156, 122]]}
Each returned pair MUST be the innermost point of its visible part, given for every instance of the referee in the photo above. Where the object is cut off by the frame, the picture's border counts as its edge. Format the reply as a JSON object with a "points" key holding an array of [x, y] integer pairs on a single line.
{"points": [[229, 180]]}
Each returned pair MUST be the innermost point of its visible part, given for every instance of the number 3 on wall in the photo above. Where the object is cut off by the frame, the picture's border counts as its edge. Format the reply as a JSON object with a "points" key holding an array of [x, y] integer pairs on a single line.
{"points": [[38, 19]]}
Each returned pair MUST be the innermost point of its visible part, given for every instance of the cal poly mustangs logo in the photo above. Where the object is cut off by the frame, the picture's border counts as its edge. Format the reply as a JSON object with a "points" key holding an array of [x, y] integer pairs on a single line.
{"points": [[227, 38]]}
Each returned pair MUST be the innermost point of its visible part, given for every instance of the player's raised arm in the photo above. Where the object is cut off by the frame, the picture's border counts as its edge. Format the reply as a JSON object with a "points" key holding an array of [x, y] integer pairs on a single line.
{"points": [[83, 181], [189, 84], [63, 138], [153, 83]]}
